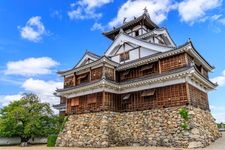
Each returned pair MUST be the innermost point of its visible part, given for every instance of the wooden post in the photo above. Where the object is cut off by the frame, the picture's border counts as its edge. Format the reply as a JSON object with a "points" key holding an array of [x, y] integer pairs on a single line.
{"points": [[139, 52], [160, 71], [114, 75], [90, 75], [103, 71], [188, 93], [65, 104], [64, 81], [202, 72], [75, 78], [186, 59], [103, 100]]}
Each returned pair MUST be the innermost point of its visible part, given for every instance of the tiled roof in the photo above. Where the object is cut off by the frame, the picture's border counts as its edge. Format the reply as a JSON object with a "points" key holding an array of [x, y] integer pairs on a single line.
{"points": [[143, 17]]}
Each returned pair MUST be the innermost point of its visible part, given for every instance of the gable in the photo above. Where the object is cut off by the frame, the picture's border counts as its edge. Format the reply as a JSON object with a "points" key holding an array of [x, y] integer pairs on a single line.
{"points": [[127, 43], [86, 59], [122, 47], [158, 35], [133, 47], [165, 36]]}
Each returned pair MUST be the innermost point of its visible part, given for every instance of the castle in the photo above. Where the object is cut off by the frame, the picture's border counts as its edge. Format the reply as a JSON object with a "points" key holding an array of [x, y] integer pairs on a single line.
{"points": [[132, 94]]}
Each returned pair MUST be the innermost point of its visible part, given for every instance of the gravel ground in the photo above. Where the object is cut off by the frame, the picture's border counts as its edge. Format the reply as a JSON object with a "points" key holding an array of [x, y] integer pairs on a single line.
{"points": [[218, 145]]}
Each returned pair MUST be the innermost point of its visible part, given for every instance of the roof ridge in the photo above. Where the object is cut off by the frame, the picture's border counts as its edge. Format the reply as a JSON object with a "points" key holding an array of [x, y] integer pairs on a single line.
{"points": [[92, 53]]}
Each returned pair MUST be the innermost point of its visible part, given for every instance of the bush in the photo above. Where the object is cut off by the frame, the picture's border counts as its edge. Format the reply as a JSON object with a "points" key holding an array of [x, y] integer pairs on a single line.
{"points": [[51, 140], [184, 114]]}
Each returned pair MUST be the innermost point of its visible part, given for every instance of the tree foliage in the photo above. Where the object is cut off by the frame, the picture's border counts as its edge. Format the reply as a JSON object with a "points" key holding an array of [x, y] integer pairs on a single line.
{"points": [[28, 118]]}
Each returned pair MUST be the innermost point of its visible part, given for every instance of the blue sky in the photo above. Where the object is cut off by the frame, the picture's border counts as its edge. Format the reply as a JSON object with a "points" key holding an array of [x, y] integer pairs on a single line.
{"points": [[40, 37]]}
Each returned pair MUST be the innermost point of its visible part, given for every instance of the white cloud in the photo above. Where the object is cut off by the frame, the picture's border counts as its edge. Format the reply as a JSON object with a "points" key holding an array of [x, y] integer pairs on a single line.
{"points": [[31, 66], [158, 10], [97, 26], [6, 99], [94, 3], [41, 86], [218, 112], [220, 80], [44, 89], [86, 9], [33, 30], [222, 21], [57, 14], [193, 10], [216, 17]]}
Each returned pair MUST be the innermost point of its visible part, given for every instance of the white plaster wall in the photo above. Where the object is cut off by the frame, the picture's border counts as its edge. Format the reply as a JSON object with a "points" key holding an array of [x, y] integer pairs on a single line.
{"points": [[156, 41], [10, 141], [146, 52], [121, 50], [17, 140], [116, 58], [38, 140], [133, 55]]}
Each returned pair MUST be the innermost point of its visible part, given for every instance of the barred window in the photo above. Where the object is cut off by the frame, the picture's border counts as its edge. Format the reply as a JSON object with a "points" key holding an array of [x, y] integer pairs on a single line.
{"points": [[124, 56]]}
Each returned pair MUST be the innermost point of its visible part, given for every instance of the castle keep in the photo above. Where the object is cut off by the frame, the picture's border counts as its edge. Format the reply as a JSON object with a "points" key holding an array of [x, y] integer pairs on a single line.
{"points": [[132, 94]]}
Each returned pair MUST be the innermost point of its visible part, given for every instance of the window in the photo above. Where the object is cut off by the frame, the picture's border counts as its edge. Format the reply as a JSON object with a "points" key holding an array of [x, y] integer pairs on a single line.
{"points": [[137, 33], [96, 73], [83, 78], [92, 99], [124, 56], [149, 95], [148, 69], [69, 81], [75, 102], [109, 73]]}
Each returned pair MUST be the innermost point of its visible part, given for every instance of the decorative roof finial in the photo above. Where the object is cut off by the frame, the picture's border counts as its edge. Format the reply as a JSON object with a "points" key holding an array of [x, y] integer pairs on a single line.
{"points": [[189, 39], [145, 10], [124, 19]]}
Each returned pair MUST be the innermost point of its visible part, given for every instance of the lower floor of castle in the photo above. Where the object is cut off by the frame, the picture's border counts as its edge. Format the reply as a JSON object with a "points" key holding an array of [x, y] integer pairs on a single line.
{"points": [[162, 97]]}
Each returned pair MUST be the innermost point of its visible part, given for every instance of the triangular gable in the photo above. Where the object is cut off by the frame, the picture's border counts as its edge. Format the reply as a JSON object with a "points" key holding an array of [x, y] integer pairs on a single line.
{"points": [[120, 48], [166, 35], [122, 37], [87, 58]]}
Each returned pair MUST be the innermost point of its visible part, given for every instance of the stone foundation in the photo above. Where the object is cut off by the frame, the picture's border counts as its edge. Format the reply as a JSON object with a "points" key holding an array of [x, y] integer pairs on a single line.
{"points": [[157, 127]]}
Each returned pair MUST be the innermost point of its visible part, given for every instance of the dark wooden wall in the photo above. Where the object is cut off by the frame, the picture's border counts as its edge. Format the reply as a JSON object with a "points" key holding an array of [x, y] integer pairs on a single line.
{"points": [[198, 98], [96, 73], [173, 62], [148, 69], [69, 81], [169, 96], [161, 66], [84, 104]]}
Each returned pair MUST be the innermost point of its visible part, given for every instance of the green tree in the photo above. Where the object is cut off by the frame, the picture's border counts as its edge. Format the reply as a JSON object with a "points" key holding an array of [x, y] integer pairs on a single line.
{"points": [[28, 118]]}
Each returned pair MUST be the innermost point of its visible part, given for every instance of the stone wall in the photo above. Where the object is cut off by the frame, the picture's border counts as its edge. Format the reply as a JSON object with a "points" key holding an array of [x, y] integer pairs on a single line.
{"points": [[158, 127]]}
